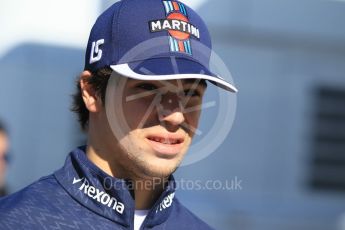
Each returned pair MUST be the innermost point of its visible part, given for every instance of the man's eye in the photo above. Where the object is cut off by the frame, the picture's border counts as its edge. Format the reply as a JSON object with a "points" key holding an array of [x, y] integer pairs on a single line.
{"points": [[191, 93], [147, 86]]}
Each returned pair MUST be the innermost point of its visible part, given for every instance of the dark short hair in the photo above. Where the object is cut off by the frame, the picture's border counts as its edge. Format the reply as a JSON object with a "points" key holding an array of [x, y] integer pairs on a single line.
{"points": [[98, 81]]}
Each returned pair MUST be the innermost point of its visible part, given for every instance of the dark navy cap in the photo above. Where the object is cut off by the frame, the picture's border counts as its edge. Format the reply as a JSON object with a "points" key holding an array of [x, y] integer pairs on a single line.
{"points": [[152, 40]]}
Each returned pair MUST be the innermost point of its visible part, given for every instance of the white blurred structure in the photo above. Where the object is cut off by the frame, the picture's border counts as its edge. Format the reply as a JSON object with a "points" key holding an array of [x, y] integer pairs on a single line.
{"points": [[61, 23]]}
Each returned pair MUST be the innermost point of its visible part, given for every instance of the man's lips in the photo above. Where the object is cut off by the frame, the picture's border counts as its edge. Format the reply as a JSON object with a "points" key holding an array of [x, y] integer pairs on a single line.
{"points": [[169, 144], [166, 139]]}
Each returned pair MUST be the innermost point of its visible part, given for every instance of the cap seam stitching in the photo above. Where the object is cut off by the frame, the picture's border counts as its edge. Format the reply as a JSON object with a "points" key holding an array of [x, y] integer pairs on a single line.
{"points": [[117, 45]]}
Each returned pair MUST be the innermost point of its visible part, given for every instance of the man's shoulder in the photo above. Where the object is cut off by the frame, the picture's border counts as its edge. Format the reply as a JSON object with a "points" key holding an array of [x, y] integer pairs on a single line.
{"points": [[187, 218], [34, 193], [36, 200]]}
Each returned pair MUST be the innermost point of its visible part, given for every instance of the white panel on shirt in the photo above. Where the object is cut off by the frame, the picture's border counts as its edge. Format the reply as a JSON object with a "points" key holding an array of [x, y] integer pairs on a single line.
{"points": [[139, 217]]}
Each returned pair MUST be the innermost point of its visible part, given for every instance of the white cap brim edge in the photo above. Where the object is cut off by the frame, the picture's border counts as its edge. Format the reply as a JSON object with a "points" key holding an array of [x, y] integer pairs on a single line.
{"points": [[125, 70]]}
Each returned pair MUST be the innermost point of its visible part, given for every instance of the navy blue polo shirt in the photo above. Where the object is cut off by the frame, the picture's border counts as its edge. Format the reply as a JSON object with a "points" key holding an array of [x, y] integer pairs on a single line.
{"points": [[82, 196]]}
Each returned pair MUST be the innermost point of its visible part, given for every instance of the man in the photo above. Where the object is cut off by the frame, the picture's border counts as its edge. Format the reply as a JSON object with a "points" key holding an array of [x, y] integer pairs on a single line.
{"points": [[150, 54], [3, 159]]}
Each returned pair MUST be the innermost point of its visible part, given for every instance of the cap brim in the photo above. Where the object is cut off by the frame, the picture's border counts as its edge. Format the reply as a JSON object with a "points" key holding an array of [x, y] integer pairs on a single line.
{"points": [[170, 69]]}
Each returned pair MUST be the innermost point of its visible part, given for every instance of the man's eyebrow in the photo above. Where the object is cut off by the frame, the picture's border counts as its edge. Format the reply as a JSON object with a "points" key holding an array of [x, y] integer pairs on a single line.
{"points": [[192, 81], [188, 80]]}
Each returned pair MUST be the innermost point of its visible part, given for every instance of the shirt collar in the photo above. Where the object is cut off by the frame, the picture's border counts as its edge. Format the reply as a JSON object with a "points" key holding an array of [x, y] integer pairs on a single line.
{"points": [[106, 195]]}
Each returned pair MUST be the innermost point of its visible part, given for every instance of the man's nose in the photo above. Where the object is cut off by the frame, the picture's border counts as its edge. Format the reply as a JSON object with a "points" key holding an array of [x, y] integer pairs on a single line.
{"points": [[171, 110], [174, 118]]}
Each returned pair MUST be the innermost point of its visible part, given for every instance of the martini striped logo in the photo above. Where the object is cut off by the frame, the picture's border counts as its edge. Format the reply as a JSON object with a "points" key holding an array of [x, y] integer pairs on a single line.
{"points": [[177, 24]]}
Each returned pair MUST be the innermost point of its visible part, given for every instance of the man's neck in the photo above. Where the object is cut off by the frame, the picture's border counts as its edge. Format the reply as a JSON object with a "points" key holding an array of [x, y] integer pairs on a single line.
{"points": [[146, 190]]}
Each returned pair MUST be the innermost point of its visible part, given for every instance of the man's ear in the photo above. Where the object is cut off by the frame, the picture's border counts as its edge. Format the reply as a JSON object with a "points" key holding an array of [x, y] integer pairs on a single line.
{"points": [[91, 99]]}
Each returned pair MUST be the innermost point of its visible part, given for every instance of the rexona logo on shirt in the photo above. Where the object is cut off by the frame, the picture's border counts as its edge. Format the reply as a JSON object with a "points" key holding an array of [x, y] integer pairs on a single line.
{"points": [[99, 196], [166, 202]]}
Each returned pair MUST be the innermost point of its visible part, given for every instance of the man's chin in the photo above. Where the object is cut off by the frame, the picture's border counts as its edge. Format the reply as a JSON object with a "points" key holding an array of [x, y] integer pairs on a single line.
{"points": [[148, 163], [161, 168]]}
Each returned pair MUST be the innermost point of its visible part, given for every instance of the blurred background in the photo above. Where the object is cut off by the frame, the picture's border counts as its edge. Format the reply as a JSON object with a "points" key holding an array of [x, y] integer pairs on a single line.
{"points": [[287, 145]]}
